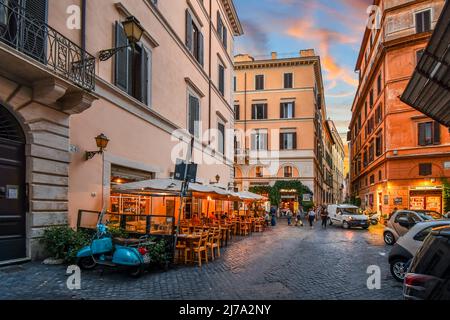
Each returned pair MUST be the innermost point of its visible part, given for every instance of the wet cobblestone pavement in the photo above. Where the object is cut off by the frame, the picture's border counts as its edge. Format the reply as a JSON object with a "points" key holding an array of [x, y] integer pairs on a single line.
{"points": [[286, 263]]}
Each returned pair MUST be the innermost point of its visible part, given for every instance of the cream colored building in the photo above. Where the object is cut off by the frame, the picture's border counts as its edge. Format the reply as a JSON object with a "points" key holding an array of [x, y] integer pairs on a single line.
{"points": [[280, 116], [56, 98]]}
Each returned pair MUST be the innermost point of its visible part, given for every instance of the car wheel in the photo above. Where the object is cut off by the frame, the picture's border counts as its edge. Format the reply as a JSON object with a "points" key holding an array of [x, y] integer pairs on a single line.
{"points": [[345, 225], [389, 238], [86, 263], [398, 269]]}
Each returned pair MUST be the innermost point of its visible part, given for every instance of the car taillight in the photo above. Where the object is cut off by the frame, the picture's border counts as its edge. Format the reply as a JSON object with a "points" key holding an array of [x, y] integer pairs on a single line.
{"points": [[143, 251], [416, 280]]}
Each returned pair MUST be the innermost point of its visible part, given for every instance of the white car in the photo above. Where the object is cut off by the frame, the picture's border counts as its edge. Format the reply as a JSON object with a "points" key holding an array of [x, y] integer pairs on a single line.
{"points": [[347, 216], [408, 245]]}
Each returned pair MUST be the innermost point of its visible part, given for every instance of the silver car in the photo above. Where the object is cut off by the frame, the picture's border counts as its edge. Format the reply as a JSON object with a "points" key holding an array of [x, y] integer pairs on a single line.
{"points": [[403, 220]]}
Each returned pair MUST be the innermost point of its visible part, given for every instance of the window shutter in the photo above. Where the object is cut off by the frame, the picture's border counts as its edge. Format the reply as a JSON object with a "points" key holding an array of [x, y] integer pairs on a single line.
{"points": [[225, 37], [221, 79], [200, 48], [265, 111], [189, 43], [145, 75], [419, 23], [422, 128], [295, 141], [219, 25], [281, 141], [33, 42], [427, 20], [264, 141], [436, 133], [253, 137], [253, 112], [121, 60], [293, 109], [281, 110]]}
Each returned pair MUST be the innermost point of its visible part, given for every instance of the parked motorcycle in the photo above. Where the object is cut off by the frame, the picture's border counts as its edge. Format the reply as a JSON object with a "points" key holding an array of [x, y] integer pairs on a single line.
{"points": [[132, 255]]}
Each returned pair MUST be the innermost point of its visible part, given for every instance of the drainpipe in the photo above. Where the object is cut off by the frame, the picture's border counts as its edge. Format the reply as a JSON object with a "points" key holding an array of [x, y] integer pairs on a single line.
{"points": [[210, 72], [245, 112], [83, 24]]}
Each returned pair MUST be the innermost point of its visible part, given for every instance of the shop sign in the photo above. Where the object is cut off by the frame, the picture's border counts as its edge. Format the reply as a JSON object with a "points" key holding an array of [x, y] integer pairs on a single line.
{"points": [[398, 201], [307, 198]]}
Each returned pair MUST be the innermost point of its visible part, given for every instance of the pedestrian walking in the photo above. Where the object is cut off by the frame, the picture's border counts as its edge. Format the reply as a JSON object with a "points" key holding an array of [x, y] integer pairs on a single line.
{"points": [[273, 213], [289, 216], [324, 217], [299, 214], [311, 217]]}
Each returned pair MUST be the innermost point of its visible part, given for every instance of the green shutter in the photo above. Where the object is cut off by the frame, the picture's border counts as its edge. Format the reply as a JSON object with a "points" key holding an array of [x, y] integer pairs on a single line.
{"points": [[121, 60], [189, 42]]}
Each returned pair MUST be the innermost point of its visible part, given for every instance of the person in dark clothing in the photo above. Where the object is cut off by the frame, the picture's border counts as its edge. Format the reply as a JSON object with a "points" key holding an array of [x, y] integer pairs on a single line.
{"points": [[311, 217], [273, 213], [324, 217]]}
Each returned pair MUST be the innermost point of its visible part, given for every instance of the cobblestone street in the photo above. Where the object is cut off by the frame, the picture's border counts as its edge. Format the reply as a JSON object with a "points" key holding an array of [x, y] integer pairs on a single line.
{"points": [[285, 263]]}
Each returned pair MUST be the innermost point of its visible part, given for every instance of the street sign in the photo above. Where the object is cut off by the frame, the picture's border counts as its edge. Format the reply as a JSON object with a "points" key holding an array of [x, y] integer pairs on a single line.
{"points": [[180, 170]]}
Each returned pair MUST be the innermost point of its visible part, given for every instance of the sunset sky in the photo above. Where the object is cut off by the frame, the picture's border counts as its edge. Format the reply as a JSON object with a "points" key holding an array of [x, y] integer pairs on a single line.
{"points": [[333, 28]]}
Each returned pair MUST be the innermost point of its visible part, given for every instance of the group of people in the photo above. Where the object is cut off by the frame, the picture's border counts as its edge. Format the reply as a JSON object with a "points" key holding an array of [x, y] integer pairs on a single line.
{"points": [[312, 215]]}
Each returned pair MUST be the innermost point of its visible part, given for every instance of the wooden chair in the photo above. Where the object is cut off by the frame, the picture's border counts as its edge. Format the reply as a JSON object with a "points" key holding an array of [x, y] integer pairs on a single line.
{"points": [[199, 248], [214, 242], [244, 229], [181, 249]]}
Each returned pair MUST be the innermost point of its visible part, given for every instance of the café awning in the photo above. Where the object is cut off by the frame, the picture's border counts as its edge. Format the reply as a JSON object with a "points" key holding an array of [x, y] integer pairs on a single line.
{"points": [[429, 88]]}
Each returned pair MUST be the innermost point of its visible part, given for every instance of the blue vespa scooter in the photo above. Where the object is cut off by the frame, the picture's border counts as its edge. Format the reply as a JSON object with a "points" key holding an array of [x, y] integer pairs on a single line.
{"points": [[102, 251]]}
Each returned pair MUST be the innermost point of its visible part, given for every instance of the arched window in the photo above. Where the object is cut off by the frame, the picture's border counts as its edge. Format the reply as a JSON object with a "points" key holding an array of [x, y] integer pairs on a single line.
{"points": [[288, 172]]}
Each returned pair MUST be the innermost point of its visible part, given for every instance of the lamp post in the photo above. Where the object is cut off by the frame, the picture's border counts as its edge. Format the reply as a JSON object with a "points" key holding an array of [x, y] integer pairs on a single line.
{"points": [[133, 31]]}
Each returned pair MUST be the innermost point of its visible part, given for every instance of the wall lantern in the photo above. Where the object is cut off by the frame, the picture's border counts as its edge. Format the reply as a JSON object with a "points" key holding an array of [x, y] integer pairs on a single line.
{"points": [[217, 178], [102, 142], [133, 31]]}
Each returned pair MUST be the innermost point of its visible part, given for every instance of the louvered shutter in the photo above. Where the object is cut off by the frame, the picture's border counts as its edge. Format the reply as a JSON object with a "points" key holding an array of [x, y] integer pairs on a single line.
{"points": [[254, 112], [281, 110], [225, 37], [219, 25], [265, 111], [427, 20], [281, 141], [189, 42], [295, 141], [293, 109], [436, 133], [121, 73], [145, 75], [200, 48], [419, 23], [422, 129], [33, 38]]}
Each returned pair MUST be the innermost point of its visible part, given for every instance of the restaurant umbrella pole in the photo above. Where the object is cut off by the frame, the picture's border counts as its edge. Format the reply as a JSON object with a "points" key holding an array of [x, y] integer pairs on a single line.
{"points": [[183, 193]]}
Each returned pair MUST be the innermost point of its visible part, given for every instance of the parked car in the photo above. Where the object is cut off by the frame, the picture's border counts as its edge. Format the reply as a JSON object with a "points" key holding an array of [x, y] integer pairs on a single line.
{"points": [[401, 221], [408, 245], [436, 215], [347, 216], [428, 277]]}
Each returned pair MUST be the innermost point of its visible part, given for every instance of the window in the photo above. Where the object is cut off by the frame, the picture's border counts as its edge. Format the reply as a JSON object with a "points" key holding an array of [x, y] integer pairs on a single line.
{"points": [[221, 79], [194, 38], [365, 158], [371, 99], [423, 234], [259, 111], [371, 152], [288, 172], [132, 68], [423, 21], [288, 141], [380, 175], [221, 138], [429, 133], [365, 110], [379, 114], [237, 112], [259, 140], [259, 82], [372, 179], [234, 84], [379, 145], [287, 110], [425, 169], [259, 172], [194, 116], [288, 81], [370, 126], [379, 84], [419, 54], [222, 30]]}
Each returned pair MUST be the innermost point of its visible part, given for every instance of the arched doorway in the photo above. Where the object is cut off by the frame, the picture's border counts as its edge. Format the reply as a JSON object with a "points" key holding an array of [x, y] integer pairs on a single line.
{"points": [[12, 188]]}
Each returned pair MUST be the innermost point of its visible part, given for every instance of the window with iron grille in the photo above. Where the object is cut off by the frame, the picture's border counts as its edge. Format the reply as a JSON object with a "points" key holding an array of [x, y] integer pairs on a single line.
{"points": [[425, 169]]}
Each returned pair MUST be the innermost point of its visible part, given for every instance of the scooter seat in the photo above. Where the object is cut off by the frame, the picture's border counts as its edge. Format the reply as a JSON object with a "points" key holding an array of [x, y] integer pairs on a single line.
{"points": [[126, 242]]}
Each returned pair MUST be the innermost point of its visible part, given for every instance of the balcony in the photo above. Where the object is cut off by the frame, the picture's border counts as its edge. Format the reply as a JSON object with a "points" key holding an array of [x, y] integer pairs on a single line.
{"points": [[34, 54]]}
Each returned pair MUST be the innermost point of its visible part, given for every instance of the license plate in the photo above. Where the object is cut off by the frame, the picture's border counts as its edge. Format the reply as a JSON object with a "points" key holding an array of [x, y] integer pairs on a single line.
{"points": [[146, 258]]}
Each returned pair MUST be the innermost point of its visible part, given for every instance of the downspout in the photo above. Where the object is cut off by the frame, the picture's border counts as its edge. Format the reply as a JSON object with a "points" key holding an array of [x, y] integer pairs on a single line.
{"points": [[245, 112], [83, 24], [210, 72]]}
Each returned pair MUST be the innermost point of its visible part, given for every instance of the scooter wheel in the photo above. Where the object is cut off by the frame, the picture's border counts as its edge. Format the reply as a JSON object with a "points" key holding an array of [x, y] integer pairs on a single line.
{"points": [[136, 272], [86, 263]]}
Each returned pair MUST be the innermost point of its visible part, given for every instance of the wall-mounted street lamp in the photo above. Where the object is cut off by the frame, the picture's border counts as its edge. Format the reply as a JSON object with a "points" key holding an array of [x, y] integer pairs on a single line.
{"points": [[102, 142], [133, 31], [217, 178]]}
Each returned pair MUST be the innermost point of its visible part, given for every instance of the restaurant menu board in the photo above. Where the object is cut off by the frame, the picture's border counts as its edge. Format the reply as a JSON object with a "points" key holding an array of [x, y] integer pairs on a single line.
{"points": [[417, 203], [434, 204]]}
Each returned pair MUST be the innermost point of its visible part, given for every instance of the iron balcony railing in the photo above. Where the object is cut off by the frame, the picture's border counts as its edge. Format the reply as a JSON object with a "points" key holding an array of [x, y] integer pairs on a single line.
{"points": [[33, 37]]}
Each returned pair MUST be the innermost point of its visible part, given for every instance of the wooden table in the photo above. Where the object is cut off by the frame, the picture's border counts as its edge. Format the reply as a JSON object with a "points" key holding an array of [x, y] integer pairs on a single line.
{"points": [[190, 240]]}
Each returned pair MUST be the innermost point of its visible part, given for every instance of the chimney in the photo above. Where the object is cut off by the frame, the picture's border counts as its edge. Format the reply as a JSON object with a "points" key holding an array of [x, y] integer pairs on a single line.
{"points": [[274, 55], [307, 53]]}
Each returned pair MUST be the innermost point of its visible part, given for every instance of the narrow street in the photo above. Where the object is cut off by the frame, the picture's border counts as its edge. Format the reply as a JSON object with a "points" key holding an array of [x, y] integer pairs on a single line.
{"points": [[286, 263]]}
